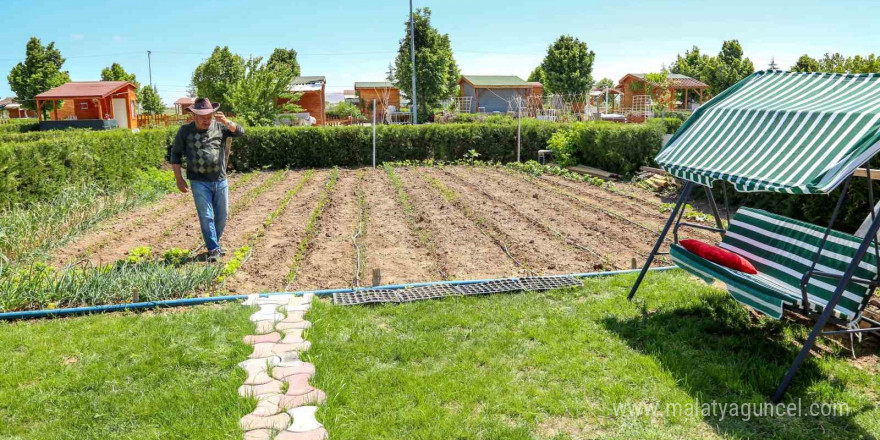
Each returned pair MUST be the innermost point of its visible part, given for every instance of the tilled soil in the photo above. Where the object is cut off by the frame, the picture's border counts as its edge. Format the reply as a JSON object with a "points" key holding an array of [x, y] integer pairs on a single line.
{"points": [[173, 216], [330, 260], [392, 246], [471, 223], [273, 254]]}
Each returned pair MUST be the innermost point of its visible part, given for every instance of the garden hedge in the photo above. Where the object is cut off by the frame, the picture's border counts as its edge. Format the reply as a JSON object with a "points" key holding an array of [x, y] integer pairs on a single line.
{"points": [[39, 165], [302, 147], [619, 148]]}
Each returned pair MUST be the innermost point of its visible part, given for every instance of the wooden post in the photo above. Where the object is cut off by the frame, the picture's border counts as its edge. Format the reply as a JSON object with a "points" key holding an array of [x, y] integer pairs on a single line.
{"points": [[55, 103], [684, 102], [701, 96], [100, 110], [377, 277], [39, 114]]}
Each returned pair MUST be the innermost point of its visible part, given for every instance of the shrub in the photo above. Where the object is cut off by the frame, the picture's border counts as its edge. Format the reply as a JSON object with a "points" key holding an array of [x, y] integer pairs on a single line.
{"points": [[36, 166], [305, 147], [618, 148], [19, 125], [672, 124]]}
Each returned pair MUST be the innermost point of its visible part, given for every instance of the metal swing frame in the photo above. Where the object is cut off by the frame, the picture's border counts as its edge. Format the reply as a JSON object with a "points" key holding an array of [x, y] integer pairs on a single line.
{"points": [[674, 222]]}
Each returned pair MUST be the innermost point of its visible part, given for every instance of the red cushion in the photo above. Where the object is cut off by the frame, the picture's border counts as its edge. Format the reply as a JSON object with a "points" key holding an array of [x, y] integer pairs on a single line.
{"points": [[719, 256]]}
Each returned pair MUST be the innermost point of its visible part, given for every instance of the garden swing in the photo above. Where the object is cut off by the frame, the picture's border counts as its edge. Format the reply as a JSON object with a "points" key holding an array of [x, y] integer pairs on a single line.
{"points": [[793, 133]]}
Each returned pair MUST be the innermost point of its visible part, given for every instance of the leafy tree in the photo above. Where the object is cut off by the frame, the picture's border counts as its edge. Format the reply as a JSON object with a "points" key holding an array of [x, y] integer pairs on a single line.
{"points": [[538, 75], [728, 67], [215, 76], [605, 83], [115, 72], [568, 66], [149, 100], [343, 109], [836, 63], [284, 58], [437, 73], [40, 71], [692, 64], [253, 97]]}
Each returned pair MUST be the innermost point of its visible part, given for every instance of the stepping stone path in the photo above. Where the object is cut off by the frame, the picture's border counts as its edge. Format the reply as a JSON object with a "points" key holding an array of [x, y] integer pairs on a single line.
{"points": [[277, 378]]}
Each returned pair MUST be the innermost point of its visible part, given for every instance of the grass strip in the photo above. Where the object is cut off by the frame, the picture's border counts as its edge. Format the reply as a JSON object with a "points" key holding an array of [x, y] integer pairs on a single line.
{"points": [[312, 226]]}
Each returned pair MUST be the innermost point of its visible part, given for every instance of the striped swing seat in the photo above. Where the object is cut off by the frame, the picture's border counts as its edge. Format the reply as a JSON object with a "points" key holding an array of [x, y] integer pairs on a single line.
{"points": [[782, 250]]}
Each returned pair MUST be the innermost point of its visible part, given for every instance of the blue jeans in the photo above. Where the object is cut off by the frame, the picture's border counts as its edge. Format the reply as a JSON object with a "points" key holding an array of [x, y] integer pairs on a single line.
{"points": [[212, 204]]}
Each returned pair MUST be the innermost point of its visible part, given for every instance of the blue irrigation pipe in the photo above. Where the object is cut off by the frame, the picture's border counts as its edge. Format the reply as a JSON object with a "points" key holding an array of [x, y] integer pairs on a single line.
{"points": [[30, 314]]}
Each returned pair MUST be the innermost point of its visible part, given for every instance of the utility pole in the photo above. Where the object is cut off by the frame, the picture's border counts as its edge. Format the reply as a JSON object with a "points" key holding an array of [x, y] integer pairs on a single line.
{"points": [[150, 66], [412, 53]]}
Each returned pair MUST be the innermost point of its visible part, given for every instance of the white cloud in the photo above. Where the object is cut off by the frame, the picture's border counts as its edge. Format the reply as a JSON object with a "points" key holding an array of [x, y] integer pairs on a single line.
{"points": [[77, 36], [117, 38]]}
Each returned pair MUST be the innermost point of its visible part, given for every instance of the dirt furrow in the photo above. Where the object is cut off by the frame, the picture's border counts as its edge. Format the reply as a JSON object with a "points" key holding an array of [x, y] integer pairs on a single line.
{"points": [[330, 263], [248, 222], [270, 260], [544, 250], [617, 241], [142, 226], [392, 247], [465, 251]]}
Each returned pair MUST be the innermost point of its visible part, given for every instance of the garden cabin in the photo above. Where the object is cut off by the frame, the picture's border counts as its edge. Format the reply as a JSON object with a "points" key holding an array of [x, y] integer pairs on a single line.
{"points": [[312, 100], [11, 109], [686, 91], [385, 93], [350, 96], [181, 104], [98, 105], [493, 93]]}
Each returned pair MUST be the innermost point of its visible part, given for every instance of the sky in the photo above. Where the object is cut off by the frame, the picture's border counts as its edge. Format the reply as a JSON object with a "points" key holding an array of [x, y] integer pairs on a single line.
{"points": [[349, 41]]}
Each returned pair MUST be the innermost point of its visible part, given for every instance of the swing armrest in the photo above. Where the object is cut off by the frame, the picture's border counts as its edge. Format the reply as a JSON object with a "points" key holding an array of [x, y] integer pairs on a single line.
{"points": [[704, 227], [819, 273]]}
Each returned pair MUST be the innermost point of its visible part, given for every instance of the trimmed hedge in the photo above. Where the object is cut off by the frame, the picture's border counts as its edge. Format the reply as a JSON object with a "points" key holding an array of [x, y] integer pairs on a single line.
{"points": [[304, 147], [19, 125], [618, 148], [42, 165]]}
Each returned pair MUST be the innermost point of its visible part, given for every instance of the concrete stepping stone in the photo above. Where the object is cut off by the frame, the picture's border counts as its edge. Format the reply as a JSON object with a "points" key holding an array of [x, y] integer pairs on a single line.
{"points": [[277, 422], [284, 326], [298, 367], [298, 308], [265, 327], [268, 405], [315, 434], [278, 300], [286, 348], [315, 397], [267, 312], [295, 333], [303, 419], [295, 316], [298, 385], [258, 339], [263, 350], [260, 391], [259, 434], [258, 370]]}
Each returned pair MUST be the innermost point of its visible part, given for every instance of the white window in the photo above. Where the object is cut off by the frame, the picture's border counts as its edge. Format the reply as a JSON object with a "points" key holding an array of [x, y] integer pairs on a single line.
{"points": [[84, 106]]}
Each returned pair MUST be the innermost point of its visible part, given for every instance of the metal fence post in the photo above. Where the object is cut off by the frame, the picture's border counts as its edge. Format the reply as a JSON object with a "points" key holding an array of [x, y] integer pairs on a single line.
{"points": [[374, 133]]}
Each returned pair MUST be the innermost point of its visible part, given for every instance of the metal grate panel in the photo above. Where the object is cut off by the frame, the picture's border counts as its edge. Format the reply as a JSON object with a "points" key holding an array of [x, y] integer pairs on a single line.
{"points": [[366, 296], [549, 283], [494, 286], [426, 292]]}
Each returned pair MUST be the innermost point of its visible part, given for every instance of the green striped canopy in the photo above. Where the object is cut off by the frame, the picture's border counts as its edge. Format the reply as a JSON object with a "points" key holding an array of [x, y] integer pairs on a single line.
{"points": [[798, 133]]}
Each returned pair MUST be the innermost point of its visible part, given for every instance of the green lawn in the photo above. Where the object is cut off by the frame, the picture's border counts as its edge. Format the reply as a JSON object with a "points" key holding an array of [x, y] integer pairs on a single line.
{"points": [[165, 374], [554, 365]]}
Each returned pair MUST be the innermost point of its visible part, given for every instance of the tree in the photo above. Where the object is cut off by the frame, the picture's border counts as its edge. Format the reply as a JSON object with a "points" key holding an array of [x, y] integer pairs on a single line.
{"points": [[727, 68], [691, 64], [253, 97], [215, 76], [568, 66], [150, 102], [605, 83], [437, 73], [40, 71], [836, 63], [284, 59], [115, 72]]}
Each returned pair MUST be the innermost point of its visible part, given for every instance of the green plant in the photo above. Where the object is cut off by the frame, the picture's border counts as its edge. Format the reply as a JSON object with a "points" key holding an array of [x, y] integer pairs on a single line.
{"points": [[176, 256], [140, 254], [619, 148], [344, 109], [39, 72], [568, 66], [253, 96], [238, 258]]}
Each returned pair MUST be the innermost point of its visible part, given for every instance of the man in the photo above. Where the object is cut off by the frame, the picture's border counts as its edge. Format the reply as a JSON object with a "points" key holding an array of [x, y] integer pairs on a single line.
{"points": [[203, 143]]}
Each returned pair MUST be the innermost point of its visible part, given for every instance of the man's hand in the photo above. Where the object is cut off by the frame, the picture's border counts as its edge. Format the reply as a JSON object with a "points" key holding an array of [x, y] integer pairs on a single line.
{"points": [[221, 118], [182, 186]]}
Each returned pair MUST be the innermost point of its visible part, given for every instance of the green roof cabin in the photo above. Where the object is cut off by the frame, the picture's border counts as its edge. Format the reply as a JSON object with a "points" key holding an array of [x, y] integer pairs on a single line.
{"points": [[492, 93]]}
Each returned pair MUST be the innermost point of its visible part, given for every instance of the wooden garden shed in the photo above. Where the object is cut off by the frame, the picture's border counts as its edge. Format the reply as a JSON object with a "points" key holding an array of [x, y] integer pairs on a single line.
{"points": [[312, 101], [182, 103], [97, 105], [683, 88], [10, 108], [493, 93], [385, 93]]}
